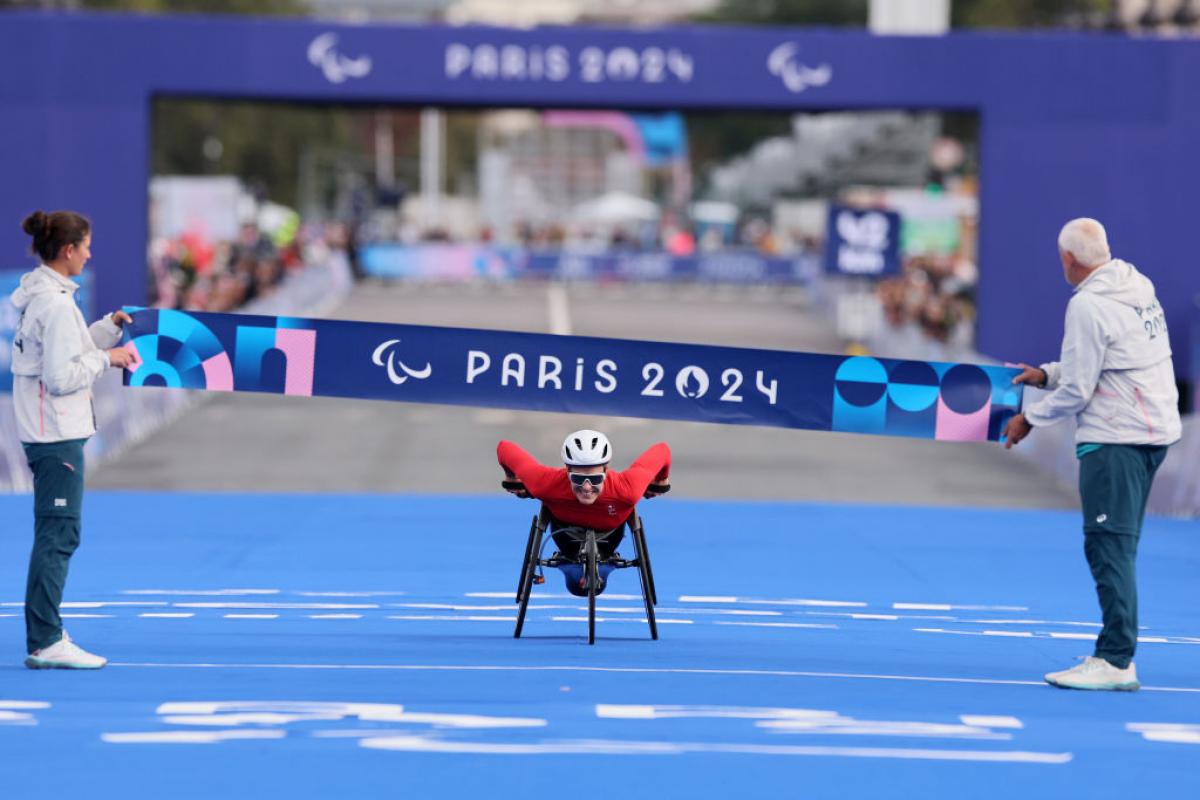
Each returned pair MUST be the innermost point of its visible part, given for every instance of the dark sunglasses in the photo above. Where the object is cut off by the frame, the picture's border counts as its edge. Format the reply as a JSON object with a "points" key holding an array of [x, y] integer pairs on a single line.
{"points": [[578, 479]]}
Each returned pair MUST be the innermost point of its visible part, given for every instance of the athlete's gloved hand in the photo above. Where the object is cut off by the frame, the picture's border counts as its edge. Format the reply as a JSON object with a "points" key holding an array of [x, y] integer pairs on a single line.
{"points": [[655, 489], [516, 488]]}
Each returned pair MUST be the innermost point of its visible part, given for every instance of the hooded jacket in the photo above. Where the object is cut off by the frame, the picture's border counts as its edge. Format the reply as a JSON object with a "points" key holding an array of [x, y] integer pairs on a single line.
{"points": [[56, 358], [1115, 374]]}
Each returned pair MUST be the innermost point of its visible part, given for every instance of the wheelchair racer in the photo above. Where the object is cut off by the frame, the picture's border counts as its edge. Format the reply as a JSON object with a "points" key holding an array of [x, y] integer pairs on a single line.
{"points": [[585, 493]]}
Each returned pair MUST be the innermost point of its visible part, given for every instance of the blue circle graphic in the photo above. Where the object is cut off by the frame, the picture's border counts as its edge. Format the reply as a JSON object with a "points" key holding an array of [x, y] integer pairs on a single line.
{"points": [[966, 389], [913, 385], [860, 381]]}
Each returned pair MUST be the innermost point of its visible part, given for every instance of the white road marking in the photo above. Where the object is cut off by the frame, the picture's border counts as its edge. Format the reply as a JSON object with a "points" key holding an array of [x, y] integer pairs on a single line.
{"points": [[427, 744], [948, 607], [350, 594], [558, 309], [1031, 622], [689, 598], [617, 670], [986, 721], [853, 615], [251, 616], [642, 620], [189, 737], [728, 612], [169, 615], [806, 721], [102, 604], [460, 607], [291, 606], [776, 624], [1053, 635], [1174, 733], [452, 618], [335, 616], [1019, 634], [87, 616], [201, 592], [236, 713]]}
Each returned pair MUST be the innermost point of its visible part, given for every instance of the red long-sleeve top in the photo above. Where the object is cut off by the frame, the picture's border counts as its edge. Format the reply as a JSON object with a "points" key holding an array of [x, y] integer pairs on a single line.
{"points": [[619, 494]]}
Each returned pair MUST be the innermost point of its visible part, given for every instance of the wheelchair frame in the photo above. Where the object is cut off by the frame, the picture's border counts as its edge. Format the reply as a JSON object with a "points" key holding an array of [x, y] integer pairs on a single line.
{"points": [[589, 557]]}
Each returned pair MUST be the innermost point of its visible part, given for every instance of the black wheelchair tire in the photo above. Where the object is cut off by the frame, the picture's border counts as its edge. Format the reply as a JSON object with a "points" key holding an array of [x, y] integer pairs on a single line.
{"points": [[593, 578]]}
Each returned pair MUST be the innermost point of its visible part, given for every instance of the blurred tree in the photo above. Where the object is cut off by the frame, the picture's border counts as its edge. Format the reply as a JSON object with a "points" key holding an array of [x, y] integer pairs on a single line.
{"points": [[715, 137], [259, 142], [963, 13], [789, 12], [258, 7], [1027, 13]]}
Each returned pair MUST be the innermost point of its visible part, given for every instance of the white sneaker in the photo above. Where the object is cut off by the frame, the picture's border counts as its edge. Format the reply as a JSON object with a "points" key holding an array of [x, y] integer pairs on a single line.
{"points": [[1096, 673], [64, 654]]}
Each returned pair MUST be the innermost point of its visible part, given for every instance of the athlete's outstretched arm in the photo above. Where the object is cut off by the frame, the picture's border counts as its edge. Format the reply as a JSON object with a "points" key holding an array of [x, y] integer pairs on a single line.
{"points": [[652, 466], [519, 464]]}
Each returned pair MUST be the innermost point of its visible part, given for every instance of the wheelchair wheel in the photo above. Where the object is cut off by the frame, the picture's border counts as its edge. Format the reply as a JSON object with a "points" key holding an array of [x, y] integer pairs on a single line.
{"points": [[525, 588], [593, 579], [645, 576], [526, 565], [644, 560]]}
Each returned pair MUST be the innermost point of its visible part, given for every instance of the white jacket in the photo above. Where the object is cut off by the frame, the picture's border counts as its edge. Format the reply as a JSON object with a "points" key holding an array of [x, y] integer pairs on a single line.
{"points": [[55, 359], [1115, 374]]}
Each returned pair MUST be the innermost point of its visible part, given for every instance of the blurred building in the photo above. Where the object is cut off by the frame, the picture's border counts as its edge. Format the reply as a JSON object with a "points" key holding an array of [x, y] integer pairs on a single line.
{"points": [[516, 13]]}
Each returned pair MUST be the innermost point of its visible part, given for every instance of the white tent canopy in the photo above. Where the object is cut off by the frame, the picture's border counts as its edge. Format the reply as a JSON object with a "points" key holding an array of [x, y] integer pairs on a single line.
{"points": [[617, 207]]}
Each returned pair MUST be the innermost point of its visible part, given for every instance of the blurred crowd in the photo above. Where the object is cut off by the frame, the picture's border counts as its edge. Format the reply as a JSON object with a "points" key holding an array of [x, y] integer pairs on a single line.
{"points": [[935, 295], [192, 273], [671, 234]]}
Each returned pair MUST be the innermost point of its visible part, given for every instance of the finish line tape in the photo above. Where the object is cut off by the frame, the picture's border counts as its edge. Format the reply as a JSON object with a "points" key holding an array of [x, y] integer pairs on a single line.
{"points": [[573, 374]]}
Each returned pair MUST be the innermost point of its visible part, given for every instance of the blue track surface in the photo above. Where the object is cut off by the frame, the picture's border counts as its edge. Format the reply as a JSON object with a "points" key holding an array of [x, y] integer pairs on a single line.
{"points": [[362, 646]]}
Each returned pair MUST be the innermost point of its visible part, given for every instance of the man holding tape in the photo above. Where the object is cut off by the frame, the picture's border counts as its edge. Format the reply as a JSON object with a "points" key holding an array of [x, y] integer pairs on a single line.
{"points": [[1116, 379]]}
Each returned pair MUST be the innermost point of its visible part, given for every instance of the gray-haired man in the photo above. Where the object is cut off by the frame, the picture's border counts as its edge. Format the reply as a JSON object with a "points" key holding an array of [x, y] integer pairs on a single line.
{"points": [[1116, 379]]}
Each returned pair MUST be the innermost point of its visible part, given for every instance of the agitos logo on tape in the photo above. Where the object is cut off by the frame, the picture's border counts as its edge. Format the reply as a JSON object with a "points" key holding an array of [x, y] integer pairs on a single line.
{"points": [[574, 374]]}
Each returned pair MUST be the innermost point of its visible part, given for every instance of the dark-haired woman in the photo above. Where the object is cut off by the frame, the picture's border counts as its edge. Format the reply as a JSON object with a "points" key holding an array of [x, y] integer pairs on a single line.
{"points": [[55, 360]]}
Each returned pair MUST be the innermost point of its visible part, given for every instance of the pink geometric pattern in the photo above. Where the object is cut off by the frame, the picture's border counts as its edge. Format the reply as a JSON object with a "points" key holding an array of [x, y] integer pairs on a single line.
{"points": [[218, 373], [300, 348], [131, 348], [954, 427]]}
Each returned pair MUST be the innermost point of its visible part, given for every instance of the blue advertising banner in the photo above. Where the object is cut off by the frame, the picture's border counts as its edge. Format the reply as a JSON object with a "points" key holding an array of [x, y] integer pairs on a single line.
{"points": [[449, 262], [862, 243], [575, 374], [1037, 97]]}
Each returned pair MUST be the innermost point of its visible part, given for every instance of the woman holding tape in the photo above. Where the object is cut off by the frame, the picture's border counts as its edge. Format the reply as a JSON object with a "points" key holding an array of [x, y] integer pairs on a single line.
{"points": [[56, 358]]}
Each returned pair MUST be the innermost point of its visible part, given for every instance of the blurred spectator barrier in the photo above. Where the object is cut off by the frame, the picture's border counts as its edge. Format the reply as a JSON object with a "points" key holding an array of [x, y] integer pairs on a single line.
{"points": [[450, 262], [573, 374], [125, 417], [1196, 354]]}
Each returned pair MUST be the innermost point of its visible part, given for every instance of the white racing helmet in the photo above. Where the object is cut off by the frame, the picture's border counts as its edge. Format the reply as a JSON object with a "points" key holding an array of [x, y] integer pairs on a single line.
{"points": [[586, 448]]}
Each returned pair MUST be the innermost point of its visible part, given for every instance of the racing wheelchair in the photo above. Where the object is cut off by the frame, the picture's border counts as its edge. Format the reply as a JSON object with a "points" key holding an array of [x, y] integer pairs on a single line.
{"points": [[588, 545]]}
